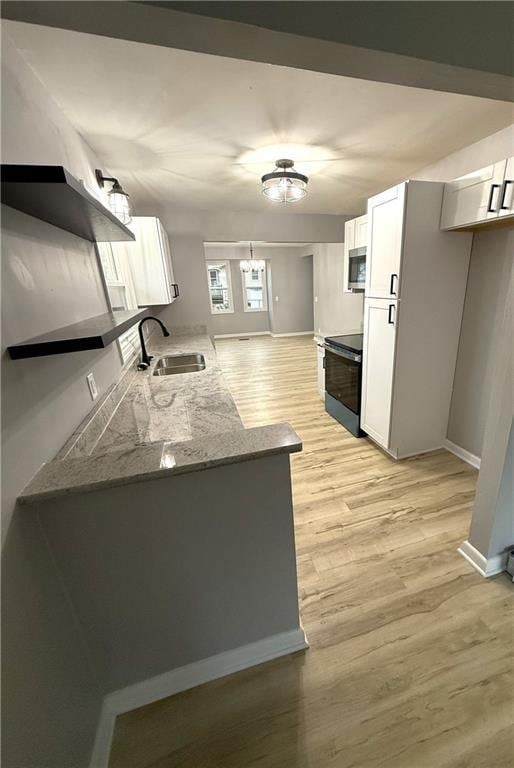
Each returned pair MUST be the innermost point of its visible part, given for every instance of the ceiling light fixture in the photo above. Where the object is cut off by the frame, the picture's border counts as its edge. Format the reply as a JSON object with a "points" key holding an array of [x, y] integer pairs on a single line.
{"points": [[284, 185], [251, 264], [118, 198]]}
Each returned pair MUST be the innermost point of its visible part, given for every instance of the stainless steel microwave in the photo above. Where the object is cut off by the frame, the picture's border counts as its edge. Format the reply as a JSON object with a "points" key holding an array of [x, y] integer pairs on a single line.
{"points": [[357, 268]]}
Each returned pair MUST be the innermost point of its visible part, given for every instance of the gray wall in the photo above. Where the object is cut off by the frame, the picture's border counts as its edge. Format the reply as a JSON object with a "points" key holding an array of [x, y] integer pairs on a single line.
{"points": [[51, 696], [237, 321], [491, 252], [490, 258], [290, 292], [492, 525], [502, 534], [335, 312], [173, 571], [289, 271]]}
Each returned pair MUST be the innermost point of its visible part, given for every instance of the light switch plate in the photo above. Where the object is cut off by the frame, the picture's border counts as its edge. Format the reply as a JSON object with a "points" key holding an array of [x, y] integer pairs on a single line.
{"points": [[92, 386]]}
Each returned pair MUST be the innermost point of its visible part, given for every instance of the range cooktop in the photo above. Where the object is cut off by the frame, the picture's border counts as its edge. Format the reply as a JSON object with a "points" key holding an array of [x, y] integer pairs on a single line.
{"points": [[353, 342]]}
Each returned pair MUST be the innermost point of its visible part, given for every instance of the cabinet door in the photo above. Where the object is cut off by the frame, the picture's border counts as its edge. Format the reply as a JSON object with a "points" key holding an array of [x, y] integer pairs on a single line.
{"points": [[361, 232], [321, 369], [149, 263], [385, 236], [506, 201], [349, 243], [473, 198], [168, 262], [380, 318]]}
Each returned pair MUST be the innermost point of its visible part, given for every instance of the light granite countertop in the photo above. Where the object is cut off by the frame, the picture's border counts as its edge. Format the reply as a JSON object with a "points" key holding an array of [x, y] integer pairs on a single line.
{"points": [[186, 406], [162, 425]]}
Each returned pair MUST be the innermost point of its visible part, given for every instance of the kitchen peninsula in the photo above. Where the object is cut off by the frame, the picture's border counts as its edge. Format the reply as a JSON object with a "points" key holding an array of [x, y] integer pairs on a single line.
{"points": [[162, 508]]}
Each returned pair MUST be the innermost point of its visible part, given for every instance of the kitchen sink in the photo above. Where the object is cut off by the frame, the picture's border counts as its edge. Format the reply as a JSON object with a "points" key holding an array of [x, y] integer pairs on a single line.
{"points": [[188, 363]]}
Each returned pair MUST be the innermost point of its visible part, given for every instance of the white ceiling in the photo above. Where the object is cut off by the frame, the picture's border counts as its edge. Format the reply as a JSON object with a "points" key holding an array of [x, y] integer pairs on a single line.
{"points": [[197, 131]]}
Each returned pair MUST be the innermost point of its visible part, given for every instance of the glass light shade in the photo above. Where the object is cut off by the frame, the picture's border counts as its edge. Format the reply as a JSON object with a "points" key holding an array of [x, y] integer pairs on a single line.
{"points": [[247, 265], [284, 190], [119, 205]]}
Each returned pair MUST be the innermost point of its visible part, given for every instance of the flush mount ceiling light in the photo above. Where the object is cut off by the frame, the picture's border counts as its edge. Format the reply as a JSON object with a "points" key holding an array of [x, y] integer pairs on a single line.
{"points": [[251, 264], [284, 185], [118, 199]]}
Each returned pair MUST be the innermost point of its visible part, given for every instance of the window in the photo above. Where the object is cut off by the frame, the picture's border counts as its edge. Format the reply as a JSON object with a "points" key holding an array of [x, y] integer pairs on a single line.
{"points": [[118, 280], [255, 297], [220, 287]]}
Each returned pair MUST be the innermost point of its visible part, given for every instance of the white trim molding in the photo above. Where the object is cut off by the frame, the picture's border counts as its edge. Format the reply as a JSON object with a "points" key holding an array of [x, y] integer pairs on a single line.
{"points": [[295, 333], [466, 456], [241, 335], [189, 676], [486, 567]]}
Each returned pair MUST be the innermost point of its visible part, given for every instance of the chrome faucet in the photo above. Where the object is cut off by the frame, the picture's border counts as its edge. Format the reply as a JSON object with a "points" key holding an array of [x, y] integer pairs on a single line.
{"points": [[145, 357]]}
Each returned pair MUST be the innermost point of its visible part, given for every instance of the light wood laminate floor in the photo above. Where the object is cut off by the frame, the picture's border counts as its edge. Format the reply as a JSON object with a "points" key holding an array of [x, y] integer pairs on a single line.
{"points": [[410, 659]]}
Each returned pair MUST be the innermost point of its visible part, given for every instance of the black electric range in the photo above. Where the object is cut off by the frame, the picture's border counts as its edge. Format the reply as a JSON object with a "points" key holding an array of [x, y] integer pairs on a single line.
{"points": [[343, 380]]}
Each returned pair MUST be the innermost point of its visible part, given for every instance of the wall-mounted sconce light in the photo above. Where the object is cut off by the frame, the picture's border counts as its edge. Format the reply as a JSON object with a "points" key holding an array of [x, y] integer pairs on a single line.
{"points": [[118, 199]]}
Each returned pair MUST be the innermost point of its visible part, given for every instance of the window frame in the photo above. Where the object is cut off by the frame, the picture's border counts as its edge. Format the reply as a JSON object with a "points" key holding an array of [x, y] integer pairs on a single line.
{"points": [[208, 268], [244, 287]]}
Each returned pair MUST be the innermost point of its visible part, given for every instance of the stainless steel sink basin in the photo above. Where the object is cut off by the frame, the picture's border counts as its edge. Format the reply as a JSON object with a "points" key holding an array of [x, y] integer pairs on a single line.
{"points": [[189, 363]]}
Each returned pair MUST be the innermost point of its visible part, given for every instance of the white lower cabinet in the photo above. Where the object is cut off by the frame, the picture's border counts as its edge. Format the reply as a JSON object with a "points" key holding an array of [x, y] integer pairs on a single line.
{"points": [[380, 317], [321, 369]]}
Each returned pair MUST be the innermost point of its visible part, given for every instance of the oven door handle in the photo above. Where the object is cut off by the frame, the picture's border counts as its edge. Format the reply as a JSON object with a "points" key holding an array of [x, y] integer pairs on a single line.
{"points": [[340, 353]]}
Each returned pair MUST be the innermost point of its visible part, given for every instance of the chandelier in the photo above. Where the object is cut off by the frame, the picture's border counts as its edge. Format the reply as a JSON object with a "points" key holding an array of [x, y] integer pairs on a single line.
{"points": [[251, 264], [284, 185]]}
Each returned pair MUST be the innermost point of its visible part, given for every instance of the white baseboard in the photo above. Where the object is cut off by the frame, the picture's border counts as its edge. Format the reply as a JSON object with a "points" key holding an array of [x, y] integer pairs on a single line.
{"points": [[241, 335], [466, 456], [486, 567], [189, 676], [296, 333], [261, 333]]}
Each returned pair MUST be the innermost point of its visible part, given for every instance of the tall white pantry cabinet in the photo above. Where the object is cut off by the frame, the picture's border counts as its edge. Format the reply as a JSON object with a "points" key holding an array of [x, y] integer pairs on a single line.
{"points": [[415, 288]]}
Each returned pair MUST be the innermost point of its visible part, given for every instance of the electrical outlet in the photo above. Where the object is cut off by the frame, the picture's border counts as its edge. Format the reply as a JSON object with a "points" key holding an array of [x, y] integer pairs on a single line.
{"points": [[92, 386]]}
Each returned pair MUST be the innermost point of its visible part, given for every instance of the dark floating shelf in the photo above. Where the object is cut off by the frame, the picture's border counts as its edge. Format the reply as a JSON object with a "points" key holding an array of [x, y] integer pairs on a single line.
{"points": [[52, 194], [94, 333]]}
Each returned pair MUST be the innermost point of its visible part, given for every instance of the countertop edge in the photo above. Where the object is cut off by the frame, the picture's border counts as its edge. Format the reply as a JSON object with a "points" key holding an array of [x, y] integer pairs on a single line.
{"points": [[158, 460]]}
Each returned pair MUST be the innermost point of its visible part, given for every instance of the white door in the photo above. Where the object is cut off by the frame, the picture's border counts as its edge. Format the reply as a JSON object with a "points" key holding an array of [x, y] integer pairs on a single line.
{"points": [[385, 236], [380, 318], [349, 243], [506, 201], [473, 198]]}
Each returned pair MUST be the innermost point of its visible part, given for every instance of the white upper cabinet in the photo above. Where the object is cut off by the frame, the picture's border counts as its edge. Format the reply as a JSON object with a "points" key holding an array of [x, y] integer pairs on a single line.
{"points": [[361, 232], [355, 236], [506, 201], [480, 196], [150, 262], [385, 235]]}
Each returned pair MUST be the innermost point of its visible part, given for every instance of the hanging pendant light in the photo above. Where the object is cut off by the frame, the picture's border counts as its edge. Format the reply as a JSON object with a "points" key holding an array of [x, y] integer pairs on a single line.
{"points": [[284, 185], [251, 264], [118, 198]]}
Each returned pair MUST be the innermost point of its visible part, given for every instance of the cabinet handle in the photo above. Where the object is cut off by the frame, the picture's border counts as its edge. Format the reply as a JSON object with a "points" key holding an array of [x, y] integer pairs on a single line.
{"points": [[176, 292], [390, 318], [504, 207], [324, 359], [391, 284], [490, 201]]}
